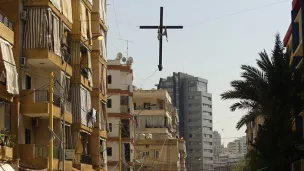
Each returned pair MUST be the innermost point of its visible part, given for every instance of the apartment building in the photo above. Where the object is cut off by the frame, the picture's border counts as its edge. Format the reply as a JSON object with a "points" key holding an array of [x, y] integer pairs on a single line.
{"points": [[8, 89], [183, 154], [63, 37], [157, 145], [194, 103], [217, 146], [120, 113], [238, 146]]}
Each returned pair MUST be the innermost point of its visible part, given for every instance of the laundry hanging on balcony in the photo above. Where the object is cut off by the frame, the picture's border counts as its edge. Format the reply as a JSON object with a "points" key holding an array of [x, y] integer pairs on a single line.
{"points": [[6, 54]]}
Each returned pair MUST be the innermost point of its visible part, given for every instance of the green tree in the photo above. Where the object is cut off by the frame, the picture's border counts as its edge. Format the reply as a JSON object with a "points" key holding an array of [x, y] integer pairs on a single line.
{"points": [[270, 90]]}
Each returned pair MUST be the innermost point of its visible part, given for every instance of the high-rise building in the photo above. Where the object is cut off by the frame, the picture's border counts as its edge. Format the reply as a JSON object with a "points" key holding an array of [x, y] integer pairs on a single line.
{"points": [[238, 146], [190, 96], [217, 146], [64, 114]]}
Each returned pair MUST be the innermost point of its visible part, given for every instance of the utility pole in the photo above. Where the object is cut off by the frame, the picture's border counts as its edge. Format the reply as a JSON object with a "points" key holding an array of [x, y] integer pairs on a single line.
{"points": [[51, 143], [119, 143], [160, 35]]}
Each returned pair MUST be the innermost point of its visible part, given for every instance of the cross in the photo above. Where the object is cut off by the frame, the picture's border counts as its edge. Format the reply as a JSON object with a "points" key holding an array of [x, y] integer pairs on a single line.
{"points": [[160, 35]]}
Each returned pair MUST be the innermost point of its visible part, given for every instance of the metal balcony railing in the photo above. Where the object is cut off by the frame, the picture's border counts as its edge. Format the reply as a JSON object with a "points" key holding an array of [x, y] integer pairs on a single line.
{"points": [[6, 21], [85, 72], [86, 159], [68, 106], [43, 96], [43, 151]]}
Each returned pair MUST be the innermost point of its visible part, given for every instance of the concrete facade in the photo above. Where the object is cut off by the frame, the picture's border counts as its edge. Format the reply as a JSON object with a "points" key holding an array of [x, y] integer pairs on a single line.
{"points": [[217, 146], [58, 36], [157, 144], [120, 110], [238, 146], [194, 103]]}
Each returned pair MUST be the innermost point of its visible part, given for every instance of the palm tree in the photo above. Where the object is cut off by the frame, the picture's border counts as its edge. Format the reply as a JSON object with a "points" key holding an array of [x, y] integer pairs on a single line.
{"points": [[271, 90], [262, 87]]}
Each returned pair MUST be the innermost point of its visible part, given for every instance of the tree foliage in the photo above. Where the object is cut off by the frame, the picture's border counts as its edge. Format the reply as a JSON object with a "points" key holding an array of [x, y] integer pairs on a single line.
{"points": [[270, 90]]}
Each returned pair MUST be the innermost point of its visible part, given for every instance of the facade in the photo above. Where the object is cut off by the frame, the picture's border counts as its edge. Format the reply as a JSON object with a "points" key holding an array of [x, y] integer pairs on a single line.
{"points": [[194, 103], [157, 145], [227, 161], [56, 36], [217, 146], [238, 146], [183, 154], [120, 113], [8, 89], [252, 131]]}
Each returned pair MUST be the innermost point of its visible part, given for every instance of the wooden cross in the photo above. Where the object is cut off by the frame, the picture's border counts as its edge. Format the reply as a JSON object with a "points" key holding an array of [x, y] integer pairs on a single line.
{"points": [[160, 35]]}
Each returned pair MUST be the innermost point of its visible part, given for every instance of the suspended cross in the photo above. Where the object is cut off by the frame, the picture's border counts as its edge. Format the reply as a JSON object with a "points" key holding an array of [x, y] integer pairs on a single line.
{"points": [[160, 35]]}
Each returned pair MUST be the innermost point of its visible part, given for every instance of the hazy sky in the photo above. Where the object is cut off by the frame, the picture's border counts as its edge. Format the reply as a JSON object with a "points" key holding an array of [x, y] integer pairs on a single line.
{"points": [[218, 36]]}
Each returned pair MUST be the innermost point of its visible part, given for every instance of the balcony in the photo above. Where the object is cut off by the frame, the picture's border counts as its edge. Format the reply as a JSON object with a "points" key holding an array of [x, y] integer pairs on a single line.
{"points": [[6, 153], [6, 29], [36, 104], [37, 155], [4, 94], [62, 8], [86, 159], [43, 58]]}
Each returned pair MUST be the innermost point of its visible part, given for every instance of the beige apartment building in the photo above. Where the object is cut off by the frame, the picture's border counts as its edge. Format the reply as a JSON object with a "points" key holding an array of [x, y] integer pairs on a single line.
{"points": [[120, 113], [66, 37], [157, 144]]}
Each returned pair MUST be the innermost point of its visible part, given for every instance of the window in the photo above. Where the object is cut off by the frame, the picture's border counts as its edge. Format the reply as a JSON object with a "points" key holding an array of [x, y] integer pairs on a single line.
{"points": [[109, 79], [28, 82], [192, 89], [109, 151], [207, 98], [147, 106], [156, 154], [207, 113], [110, 127], [146, 153], [207, 105], [134, 106], [109, 104], [27, 136]]}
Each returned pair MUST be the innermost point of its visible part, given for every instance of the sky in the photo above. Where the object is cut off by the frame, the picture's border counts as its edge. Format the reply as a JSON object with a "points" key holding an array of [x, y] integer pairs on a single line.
{"points": [[218, 37]]}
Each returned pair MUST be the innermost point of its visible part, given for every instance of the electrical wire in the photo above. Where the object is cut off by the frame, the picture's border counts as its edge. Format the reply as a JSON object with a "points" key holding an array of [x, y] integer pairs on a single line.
{"points": [[24, 69], [114, 10]]}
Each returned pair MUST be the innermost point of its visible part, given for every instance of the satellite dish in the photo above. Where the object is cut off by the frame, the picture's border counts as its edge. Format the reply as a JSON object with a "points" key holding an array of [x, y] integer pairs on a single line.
{"points": [[119, 56], [124, 59], [130, 61]]}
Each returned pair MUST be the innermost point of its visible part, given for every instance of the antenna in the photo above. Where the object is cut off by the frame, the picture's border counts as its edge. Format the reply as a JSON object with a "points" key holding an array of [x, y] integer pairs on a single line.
{"points": [[131, 41]]}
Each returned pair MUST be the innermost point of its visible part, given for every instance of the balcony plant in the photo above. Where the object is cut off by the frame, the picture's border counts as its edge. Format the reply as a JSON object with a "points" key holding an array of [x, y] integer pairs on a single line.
{"points": [[7, 139]]}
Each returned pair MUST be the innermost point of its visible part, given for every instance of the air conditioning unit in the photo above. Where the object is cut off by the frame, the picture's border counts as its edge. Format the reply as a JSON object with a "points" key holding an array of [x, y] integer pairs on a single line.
{"points": [[23, 61], [23, 15], [35, 122]]}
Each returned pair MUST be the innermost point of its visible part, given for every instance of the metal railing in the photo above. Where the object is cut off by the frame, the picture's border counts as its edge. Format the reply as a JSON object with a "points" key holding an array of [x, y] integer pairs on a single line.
{"points": [[85, 72], [68, 106], [43, 151], [6, 21], [43, 96], [86, 159]]}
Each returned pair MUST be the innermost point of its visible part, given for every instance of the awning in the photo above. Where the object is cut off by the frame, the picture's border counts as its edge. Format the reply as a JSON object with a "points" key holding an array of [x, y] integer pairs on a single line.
{"points": [[6, 55], [6, 167]]}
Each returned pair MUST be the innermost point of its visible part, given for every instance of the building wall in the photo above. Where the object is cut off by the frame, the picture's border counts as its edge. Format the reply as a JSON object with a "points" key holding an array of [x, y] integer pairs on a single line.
{"points": [[194, 115]]}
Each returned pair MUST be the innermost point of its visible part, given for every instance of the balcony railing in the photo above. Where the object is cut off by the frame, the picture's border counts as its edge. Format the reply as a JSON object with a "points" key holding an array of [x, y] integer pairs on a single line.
{"points": [[86, 159], [43, 151], [43, 96], [68, 106], [6, 21], [85, 72]]}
